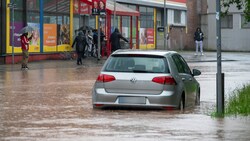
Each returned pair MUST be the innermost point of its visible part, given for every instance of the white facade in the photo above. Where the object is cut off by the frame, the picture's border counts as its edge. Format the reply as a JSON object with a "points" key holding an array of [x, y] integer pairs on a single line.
{"points": [[234, 37]]}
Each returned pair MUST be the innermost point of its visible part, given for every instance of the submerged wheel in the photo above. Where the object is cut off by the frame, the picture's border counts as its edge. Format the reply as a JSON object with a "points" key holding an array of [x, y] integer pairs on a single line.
{"points": [[181, 104], [197, 98]]}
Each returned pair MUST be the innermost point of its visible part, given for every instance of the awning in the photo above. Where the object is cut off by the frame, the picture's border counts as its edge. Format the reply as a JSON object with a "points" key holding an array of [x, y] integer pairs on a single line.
{"points": [[121, 10], [173, 4]]}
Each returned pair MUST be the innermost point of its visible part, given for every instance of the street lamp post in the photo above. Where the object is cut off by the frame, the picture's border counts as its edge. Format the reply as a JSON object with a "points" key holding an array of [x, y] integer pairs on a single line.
{"points": [[12, 6], [219, 75], [164, 23], [99, 38], [114, 20]]}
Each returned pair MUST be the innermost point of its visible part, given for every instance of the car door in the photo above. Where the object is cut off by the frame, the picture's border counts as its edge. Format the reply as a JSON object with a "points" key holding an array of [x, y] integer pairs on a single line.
{"points": [[187, 78]]}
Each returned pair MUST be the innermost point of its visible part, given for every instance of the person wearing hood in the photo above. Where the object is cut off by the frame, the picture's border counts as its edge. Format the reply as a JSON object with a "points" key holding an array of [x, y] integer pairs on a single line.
{"points": [[115, 40], [198, 38], [81, 43]]}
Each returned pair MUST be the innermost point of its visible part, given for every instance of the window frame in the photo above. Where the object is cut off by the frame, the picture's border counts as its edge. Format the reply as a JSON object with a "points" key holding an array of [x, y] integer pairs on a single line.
{"points": [[227, 22], [244, 25], [182, 17]]}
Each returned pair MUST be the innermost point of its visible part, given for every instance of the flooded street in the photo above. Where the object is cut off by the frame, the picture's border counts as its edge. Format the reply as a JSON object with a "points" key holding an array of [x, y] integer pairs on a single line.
{"points": [[52, 101]]}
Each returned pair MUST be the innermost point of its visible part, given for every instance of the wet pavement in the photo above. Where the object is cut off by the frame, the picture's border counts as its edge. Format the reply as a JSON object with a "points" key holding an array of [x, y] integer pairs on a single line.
{"points": [[52, 101]]}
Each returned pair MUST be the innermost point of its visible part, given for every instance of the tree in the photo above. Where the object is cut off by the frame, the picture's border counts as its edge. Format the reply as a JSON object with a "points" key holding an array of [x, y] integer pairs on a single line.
{"points": [[240, 4]]}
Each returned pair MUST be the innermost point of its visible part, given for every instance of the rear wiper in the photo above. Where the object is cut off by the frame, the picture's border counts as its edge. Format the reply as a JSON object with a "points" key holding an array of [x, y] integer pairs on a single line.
{"points": [[141, 71]]}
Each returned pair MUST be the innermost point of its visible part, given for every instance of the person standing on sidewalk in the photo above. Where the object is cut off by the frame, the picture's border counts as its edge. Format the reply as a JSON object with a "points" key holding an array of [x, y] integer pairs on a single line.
{"points": [[198, 38], [25, 49], [95, 41], [81, 43], [115, 40]]}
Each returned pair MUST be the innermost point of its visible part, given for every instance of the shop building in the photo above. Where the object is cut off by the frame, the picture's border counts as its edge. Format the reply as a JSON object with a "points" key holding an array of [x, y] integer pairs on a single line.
{"points": [[56, 22]]}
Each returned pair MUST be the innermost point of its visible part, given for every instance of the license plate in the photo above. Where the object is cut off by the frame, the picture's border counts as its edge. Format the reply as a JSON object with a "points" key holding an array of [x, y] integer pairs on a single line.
{"points": [[132, 100]]}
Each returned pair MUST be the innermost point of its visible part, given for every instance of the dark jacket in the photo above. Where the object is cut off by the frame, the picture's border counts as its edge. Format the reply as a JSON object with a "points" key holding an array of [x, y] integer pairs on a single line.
{"points": [[95, 37], [115, 40], [80, 42], [198, 35]]}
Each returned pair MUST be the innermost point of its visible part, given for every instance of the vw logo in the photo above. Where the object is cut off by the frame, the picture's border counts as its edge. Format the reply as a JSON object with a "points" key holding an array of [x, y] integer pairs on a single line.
{"points": [[133, 80]]}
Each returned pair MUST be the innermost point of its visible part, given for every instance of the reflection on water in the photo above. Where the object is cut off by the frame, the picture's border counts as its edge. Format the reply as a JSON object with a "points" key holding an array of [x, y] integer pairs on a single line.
{"points": [[55, 104]]}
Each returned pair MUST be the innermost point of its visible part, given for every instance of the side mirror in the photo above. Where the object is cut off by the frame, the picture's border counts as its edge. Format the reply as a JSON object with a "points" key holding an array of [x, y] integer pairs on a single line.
{"points": [[196, 72]]}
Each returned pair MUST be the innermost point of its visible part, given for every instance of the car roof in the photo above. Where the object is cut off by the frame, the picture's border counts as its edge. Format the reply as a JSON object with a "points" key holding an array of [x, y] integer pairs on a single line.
{"points": [[145, 52]]}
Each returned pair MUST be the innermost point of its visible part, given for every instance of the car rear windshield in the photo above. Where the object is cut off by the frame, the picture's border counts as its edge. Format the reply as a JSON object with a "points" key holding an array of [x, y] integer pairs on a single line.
{"points": [[137, 63]]}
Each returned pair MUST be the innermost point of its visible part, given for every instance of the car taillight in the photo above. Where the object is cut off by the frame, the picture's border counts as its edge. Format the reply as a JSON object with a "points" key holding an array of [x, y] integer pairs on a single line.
{"points": [[165, 80], [105, 78]]}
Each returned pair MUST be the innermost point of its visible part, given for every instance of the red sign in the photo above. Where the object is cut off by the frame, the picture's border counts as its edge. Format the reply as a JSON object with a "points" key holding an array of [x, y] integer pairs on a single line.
{"points": [[84, 8], [95, 7], [98, 7], [102, 6], [81, 7], [150, 35], [76, 7]]}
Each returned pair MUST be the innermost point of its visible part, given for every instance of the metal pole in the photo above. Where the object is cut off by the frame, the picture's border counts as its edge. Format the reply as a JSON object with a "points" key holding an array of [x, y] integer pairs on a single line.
{"points": [[99, 38], [164, 23], [220, 96], [114, 20], [12, 41]]}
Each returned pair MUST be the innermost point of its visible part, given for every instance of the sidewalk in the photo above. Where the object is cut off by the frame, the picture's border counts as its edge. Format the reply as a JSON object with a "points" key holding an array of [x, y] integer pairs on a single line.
{"points": [[92, 62], [212, 56], [48, 64]]}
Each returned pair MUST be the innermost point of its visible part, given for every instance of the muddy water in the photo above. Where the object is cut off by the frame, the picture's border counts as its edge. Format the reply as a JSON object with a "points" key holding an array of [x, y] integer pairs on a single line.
{"points": [[55, 104]]}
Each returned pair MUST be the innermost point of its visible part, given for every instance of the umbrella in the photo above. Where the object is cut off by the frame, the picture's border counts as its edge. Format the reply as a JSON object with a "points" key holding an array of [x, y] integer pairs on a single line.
{"points": [[26, 29]]}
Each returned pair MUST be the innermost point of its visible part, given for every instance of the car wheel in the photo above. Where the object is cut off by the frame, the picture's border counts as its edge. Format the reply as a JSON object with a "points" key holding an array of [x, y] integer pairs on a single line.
{"points": [[181, 104], [197, 98]]}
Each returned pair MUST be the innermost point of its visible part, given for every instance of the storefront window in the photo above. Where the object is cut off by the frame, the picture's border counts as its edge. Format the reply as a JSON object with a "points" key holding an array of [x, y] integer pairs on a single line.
{"points": [[56, 25], [19, 11], [33, 11], [126, 26], [117, 23], [33, 20], [150, 18], [92, 21], [19, 22], [19, 4], [146, 35]]}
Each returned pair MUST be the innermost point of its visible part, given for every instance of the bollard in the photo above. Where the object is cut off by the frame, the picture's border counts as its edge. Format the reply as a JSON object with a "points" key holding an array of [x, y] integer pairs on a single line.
{"points": [[220, 94]]}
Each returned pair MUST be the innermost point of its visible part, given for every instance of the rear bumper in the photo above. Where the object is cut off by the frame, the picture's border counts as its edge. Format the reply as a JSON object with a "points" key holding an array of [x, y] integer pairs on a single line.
{"points": [[167, 99]]}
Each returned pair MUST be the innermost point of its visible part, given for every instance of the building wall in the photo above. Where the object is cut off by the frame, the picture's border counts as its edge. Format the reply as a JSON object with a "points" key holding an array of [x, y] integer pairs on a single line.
{"points": [[177, 34], [234, 39], [192, 23], [196, 8]]}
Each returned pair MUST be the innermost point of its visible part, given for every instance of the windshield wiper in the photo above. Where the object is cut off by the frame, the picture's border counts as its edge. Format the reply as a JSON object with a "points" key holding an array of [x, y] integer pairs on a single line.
{"points": [[141, 71]]}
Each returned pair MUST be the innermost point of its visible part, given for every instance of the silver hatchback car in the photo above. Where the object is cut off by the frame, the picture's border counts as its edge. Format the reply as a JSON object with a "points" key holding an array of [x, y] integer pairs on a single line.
{"points": [[146, 78]]}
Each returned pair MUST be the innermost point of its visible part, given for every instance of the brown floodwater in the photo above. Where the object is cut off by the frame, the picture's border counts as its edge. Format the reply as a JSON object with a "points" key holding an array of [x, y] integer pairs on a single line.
{"points": [[52, 101]]}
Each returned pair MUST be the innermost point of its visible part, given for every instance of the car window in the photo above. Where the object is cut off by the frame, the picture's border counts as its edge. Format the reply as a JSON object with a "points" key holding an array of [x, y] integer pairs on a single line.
{"points": [[185, 65], [137, 63], [181, 64]]}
